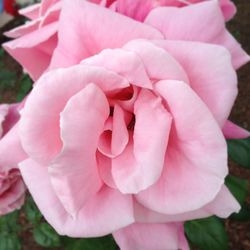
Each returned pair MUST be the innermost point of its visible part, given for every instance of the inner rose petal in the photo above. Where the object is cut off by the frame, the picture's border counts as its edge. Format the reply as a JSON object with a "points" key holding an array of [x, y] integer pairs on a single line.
{"points": [[114, 138]]}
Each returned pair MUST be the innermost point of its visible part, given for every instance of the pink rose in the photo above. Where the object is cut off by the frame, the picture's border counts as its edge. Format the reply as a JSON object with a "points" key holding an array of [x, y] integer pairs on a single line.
{"points": [[129, 141], [12, 189], [36, 40]]}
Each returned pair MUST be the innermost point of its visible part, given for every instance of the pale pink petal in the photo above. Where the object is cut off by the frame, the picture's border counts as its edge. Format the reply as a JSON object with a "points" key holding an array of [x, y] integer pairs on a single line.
{"points": [[158, 63], [104, 213], [196, 158], [31, 12], [122, 62], [74, 174], [115, 137], [89, 39], [33, 51], [40, 132], [140, 236], [46, 5], [185, 24], [222, 206], [216, 85], [232, 131], [23, 29], [137, 10], [105, 168], [13, 198], [8, 144], [17, 204], [141, 163]]}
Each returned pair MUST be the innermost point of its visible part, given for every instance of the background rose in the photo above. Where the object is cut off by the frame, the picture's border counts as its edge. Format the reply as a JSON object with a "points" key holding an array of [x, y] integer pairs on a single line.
{"points": [[115, 147], [12, 188], [38, 39]]}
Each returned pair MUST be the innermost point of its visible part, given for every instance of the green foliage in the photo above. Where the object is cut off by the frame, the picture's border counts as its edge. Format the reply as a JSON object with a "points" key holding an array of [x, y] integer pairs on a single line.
{"points": [[238, 187], [31, 211], [26, 86], [103, 243], [46, 236], [207, 234], [239, 151], [10, 242], [9, 229]]}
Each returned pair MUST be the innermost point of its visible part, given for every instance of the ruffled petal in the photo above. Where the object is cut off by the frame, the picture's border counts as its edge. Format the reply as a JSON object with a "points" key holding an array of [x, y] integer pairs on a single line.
{"points": [[104, 213], [185, 24], [140, 236], [140, 165], [82, 36], [196, 158], [40, 127], [76, 164], [216, 84]]}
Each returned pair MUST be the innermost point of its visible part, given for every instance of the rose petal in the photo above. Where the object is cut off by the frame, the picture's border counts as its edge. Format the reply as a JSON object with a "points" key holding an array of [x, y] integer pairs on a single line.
{"points": [[38, 44], [216, 84], [196, 159], [124, 63], [222, 206], [73, 174], [74, 46], [232, 131], [185, 24], [40, 132], [158, 63], [104, 213], [140, 236], [140, 165]]}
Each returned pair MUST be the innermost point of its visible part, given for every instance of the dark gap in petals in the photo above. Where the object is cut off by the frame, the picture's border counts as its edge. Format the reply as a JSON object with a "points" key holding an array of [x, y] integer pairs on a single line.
{"points": [[131, 125]]}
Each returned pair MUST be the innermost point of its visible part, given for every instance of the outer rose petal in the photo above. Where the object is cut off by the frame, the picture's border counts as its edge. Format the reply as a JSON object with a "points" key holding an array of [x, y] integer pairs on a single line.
{"points": [[104, 213], [222, 206], [74, 173], [41, 135], [185, 24], [13, 198], [31, 12], [189, 167], [232, 131], [216, 84], [140, 236], [8, 144], [90, 39], [37, 45]]}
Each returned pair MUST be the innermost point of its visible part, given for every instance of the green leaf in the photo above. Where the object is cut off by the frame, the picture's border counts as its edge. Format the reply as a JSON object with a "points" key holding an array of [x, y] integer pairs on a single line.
{"points": [[26, 86], [46, 236], [207, 234], [31, 211], [9, 223], [238, 187], [9, 242], [103, 243], [239, 151], [7, 79], [243, 215]]}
